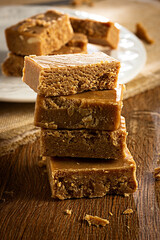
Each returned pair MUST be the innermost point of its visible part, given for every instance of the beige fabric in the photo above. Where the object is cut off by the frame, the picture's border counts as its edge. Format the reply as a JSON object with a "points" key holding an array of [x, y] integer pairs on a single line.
{"points": [[11, 139], [16, 120], [16, 126]]}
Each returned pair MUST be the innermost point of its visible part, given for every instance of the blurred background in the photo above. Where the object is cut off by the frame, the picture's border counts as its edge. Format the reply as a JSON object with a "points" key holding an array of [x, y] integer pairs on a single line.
{"points": [[5, 2]]}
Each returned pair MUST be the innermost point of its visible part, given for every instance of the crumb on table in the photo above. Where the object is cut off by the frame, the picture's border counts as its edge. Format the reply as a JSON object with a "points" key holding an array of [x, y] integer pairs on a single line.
{"points": [[128, 211], [97, 221], [68, 211], [142, 33], [110, 213], [126, 195], [157, 173]]}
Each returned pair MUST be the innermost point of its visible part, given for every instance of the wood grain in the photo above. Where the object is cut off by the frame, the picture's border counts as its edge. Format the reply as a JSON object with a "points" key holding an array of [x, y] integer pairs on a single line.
{"points": [[28, 212]]}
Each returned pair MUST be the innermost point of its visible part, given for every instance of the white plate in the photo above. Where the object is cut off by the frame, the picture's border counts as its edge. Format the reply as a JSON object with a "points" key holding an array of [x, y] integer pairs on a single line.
{"points": [[130, 52]]}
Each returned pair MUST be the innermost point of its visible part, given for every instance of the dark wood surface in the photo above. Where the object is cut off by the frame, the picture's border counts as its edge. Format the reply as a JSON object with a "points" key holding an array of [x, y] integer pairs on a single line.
{"points": [[27, 210]]}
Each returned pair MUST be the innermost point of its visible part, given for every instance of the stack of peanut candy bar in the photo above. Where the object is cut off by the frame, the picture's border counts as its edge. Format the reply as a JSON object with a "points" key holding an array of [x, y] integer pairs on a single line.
{"points": [[83, 135]]}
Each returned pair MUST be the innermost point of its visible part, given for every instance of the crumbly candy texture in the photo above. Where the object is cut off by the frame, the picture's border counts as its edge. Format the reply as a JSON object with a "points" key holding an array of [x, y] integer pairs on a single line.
{"points": [[39, 34], [77, 178], [70, 74], [100, 110]]}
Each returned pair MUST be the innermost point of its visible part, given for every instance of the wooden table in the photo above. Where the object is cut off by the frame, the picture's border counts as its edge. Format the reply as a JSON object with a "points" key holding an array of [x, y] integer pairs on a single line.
{"points": [[27, 210]]}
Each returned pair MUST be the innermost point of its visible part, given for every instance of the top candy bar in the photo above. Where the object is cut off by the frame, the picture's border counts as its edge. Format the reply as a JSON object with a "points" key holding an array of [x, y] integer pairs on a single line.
{"points": [[70, 74], [40, 34]]}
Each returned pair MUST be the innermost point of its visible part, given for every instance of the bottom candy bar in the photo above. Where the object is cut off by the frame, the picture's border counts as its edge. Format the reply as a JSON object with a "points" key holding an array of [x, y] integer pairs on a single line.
{"points": [[77, 177]]}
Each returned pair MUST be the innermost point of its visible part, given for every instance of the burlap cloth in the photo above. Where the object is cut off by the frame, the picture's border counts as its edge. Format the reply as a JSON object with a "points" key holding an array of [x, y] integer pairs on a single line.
{"points": [[16, 119]]}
